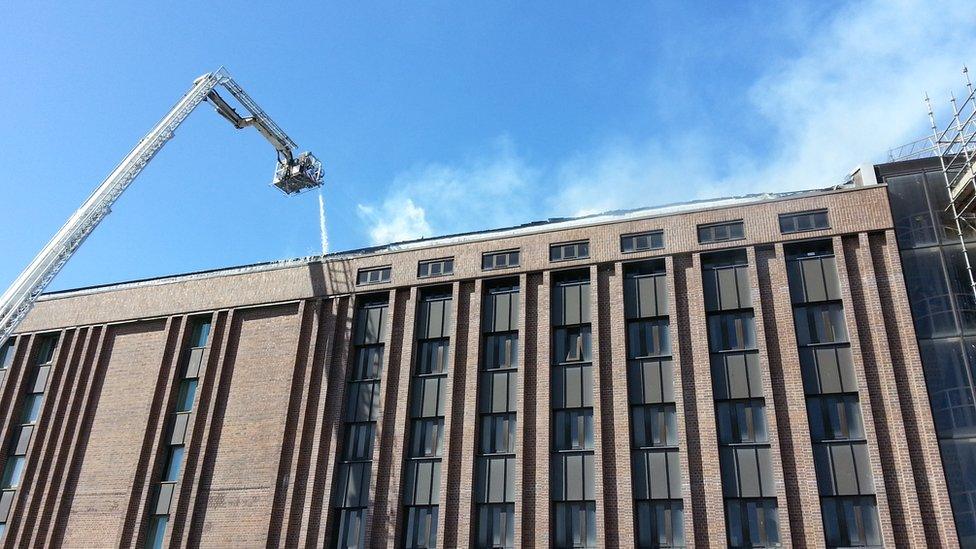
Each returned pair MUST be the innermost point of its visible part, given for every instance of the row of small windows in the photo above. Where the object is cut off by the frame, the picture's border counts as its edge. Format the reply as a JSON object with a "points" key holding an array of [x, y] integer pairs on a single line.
{"points": [[629, 243], [175, 443], [30, 411]]}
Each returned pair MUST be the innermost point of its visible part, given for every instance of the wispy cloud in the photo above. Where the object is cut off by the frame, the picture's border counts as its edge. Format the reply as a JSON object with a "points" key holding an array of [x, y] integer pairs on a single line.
{"points": [[853, 90]]}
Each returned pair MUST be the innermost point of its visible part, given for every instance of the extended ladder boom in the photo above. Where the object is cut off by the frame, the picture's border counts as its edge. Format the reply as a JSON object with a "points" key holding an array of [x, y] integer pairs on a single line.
{"points": [[293, 174]]}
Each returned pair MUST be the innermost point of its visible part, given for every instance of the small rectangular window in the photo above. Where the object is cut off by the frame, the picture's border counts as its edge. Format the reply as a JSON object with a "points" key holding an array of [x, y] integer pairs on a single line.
{"points": [[375, 275], [569, 250], [496, 525], [742, 421], [851, 521], [799, 222], [435, 267], [639, 242], [752, 522], [721, 232], [6, 355], [500, 260]]}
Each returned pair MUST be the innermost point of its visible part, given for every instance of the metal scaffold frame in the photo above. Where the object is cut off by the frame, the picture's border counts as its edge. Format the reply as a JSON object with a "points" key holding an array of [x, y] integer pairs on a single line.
{"points": [[955, 147]]}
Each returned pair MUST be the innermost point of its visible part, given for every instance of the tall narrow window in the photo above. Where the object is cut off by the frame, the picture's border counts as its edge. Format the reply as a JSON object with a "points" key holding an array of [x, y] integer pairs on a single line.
{"points": [[363, 410], [178, 431], [751, 514], [572, 470], [653, 421], [497, 390], [6, 357], [840, 451], [422, 479], [30, 411]]}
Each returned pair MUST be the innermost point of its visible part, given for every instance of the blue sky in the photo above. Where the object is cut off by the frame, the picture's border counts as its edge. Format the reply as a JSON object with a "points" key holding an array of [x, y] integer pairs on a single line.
{"points": [[441, 117]]}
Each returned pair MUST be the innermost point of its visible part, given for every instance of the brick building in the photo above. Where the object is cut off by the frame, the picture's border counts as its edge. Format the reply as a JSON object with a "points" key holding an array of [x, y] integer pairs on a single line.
{"points": [[740, 372]]}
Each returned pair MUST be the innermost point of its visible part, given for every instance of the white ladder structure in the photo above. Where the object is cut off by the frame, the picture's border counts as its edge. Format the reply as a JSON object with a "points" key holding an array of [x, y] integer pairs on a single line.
{"points": [[293, 174]]}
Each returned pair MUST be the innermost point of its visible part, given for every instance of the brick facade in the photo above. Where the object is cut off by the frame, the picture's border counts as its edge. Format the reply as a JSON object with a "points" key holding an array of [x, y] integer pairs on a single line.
{"points": [[266, 428]]}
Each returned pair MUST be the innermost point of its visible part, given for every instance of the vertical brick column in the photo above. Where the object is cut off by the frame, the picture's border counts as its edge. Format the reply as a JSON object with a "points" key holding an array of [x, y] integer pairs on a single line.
{"points": [[336, 406], [681, 410], [44, 481], [521, 463], [704, 471], [66, 465], [879, 369], [793, 428], [81, 422], [201, 451], [334, 337], [936, 512], [385, 525], [459, 310], [611, 330], [292, 468], [150, 461], [458, 497], [537, 439], [870, 391], [38, 453], [762, 345], [600, 364]]}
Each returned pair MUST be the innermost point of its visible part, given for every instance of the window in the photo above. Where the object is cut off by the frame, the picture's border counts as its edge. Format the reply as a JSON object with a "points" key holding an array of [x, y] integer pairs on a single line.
{"points": [[12, 472], [173, 462], [651, 381], [496, 526], [653, 240], [421, 531], [435, 267], [803, 221], [660, 524], [725, 279], [843, 469], [720, 232], [201, 332], [352, 531], [569, 250], [573, 429], [572, 386], [421, 495], [374, 275], [742, 421], [646, 338], [6, 355], [497, 390], [157, 532], [752, 523], [31, 407], [574, 525], [645, 295], [188, 389], [731, 331], [497, 433], [851, 522], [656, 475], [817, 324], [747, 471], [835, 417], [501, 351], [572, 344], [812, 275], [495, 479], [499, 260], [654, 425], [736, 375]]}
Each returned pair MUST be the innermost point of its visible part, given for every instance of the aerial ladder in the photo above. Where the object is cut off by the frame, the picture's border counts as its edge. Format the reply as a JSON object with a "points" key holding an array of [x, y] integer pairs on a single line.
{"points": [[293, 174]]}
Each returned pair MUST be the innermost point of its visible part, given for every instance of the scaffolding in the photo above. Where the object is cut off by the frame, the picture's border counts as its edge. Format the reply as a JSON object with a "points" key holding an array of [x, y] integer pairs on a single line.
{"points": [[955, 146]]}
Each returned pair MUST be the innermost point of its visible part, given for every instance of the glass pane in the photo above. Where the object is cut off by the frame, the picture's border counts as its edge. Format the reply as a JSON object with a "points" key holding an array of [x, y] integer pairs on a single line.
{"points": [[930, 299], [913, 220], [173, 462], [188, 389], [156, 535]]}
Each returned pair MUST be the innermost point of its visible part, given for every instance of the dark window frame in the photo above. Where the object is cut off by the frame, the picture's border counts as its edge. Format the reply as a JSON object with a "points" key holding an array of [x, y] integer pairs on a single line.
{"points": [[710, 227], [650, 238], [561, 247], [507, 253], [446, 266], [794, 216], [386, 275]]}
